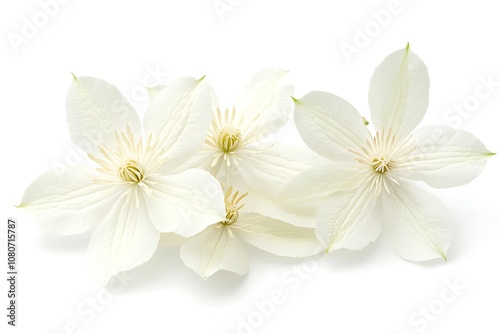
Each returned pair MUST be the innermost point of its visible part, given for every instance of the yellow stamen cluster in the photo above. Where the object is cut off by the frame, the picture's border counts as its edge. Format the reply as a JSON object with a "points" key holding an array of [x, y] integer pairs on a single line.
{"points": [[228, 141], [131, 172], [233, 205]]}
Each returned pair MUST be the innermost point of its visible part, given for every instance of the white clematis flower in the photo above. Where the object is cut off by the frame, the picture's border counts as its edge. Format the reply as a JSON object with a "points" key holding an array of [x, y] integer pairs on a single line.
{"points": [[380, 166], [219, 248], [239, 148], [132, 194]]}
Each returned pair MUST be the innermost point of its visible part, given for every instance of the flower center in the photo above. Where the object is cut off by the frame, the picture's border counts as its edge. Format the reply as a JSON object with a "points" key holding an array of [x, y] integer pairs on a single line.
{"points": [[233, 206], [228, 141], [385, 155], [131, 172], [382, 164]]}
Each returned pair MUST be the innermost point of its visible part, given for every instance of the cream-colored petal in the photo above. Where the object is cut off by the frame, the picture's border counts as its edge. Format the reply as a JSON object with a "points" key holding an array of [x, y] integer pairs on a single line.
{"points": [[399, 92], [186, 202], [445, 157], [345, 220], [276, 236], [265, 102], [124, 239], [66, 203], [214, 249], [267, 168], [421, 226], [96, 109], [305, 192], [180, 115], [330, 126]]}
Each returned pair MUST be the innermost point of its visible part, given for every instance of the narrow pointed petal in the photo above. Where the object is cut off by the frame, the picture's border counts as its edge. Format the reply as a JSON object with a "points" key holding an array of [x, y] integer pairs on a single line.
{"points": [[180, 114], [124, 239], [421, 226], [305, 192], [276, 236], [67, 203], [345, 219], [330, 126], [445, 157], [266, 100], [214, 249], [399, 92], [96, 109], [185, 203]]}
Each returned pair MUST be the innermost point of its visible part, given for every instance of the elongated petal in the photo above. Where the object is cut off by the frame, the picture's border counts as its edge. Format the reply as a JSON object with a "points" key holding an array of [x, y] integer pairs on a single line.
{"points": [[266, 101], [185, 203], [124, 239], [266, 206], [180, 115], [276, 236], [96, 109], [421, 226], [345, 219], [445, 157], [329, 125], [267, 169], [305, 192], [67, 203], [212, 250], [399, 92]]}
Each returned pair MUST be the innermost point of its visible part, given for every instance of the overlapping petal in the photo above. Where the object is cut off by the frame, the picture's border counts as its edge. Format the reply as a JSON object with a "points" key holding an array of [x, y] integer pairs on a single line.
{"points": [[96, 109], [180, 115], [186, 202], [305, 192], [329, 125], [266, 169], [214, 249], [265, 101], [399, 92], [345, 219], [446, 157], [276, 236]]}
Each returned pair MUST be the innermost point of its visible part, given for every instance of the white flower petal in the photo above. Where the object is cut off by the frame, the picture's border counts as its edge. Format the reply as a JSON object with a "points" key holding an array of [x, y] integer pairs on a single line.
{"points": [[305, 192], [399, 92], [214, 249], [421, 226], [185, 203], [330, 126], [266, 170], [266, 100], [445, 157], [264, 205], [345, 220], [66, 203], [96, 109], [276, 236], [124, 239], [180, 115]]}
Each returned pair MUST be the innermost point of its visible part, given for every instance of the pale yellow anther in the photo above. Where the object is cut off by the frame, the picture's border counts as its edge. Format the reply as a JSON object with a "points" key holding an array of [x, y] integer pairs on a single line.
{"points": [[131, 172]]}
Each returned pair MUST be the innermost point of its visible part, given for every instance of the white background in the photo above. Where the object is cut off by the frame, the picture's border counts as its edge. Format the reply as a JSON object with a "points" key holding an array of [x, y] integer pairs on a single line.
{"points": [[368, 291]]}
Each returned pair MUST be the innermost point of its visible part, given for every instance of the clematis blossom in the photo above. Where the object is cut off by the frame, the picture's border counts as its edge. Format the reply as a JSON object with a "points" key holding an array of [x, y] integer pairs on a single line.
{"points": [[240, 148], [219, 246], [130, 193], [367, 169]]}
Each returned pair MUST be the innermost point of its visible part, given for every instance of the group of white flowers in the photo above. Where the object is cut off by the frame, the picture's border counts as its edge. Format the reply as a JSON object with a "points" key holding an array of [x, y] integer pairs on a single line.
{"points": [[215, 175]]}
